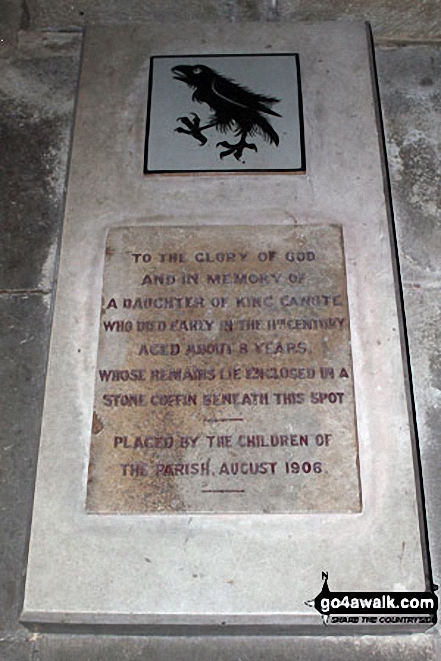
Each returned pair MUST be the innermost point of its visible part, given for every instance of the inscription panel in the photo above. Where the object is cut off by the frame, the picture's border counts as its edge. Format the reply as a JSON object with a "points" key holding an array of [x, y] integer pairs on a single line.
{"points": [[224, 373]]}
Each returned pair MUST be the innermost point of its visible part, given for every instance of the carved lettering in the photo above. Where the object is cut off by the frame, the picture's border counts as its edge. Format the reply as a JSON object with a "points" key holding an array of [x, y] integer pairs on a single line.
{"points": [[224, 373]]}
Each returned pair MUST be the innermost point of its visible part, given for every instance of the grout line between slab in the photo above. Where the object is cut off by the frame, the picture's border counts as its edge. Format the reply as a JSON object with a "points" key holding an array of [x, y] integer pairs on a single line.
{"points": [[270, 15], [20, 292], [406, 41], [428, 286]]}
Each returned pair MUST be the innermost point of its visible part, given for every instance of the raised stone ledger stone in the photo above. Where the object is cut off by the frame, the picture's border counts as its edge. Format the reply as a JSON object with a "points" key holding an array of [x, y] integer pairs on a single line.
{"points": [[224, 373], [162, 571]]}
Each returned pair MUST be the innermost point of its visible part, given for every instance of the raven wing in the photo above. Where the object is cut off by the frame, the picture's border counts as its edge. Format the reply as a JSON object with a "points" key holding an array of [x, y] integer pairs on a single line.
{"points": [[242, 97]]}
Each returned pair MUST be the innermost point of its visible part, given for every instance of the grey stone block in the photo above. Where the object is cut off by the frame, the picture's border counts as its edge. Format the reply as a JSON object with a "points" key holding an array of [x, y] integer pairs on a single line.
{"points": [[47, 14], [362, 648], [23, 346], [11, 17], [44, 45], [423, 309], [36, 108], [400, 20], [410, 89], [249, 10], [16, 650]]}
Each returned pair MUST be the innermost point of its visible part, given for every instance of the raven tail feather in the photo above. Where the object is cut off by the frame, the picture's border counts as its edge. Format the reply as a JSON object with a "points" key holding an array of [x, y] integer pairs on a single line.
{"points": [[264, 128]]}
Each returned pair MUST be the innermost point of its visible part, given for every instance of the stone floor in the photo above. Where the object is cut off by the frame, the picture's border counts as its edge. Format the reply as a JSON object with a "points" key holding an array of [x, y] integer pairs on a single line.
{"points": [[39, 63]]}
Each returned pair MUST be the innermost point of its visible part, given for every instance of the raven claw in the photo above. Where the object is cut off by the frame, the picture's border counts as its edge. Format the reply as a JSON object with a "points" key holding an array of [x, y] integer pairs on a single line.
{"points": [[236, 149], [193, 126]]}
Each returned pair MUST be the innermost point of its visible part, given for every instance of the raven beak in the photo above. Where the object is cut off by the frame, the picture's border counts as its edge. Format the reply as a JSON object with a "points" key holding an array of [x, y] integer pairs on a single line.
{"points": [[181, 73]]}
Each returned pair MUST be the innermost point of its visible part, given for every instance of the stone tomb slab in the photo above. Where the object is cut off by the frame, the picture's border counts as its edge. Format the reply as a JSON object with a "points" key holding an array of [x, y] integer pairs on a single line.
{"points": [[224, 373], [142, 546]]}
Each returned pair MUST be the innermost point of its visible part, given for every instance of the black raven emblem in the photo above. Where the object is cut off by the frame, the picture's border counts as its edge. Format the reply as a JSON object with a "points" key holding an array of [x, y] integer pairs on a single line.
{"points": [[234, 108]]}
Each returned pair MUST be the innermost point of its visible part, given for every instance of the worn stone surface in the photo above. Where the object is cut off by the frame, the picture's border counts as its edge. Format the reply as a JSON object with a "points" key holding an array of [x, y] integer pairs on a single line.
{"points": [[36, 108], [36, 104], [49, 14], [362, 648], [17, 650], [410, 87], [23, 345], [423, 317], [390, 20], [224, 373], [411, 96], [250, 10], [11, 15]]}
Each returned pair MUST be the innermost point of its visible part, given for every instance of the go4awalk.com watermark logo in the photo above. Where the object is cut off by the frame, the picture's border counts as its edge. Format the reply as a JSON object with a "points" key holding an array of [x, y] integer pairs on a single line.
{"points": [[412, 608]]}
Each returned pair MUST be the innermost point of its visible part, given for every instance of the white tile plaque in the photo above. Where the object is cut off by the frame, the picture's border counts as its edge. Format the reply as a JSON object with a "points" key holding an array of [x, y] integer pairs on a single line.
{"points": [[226, 113]]}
